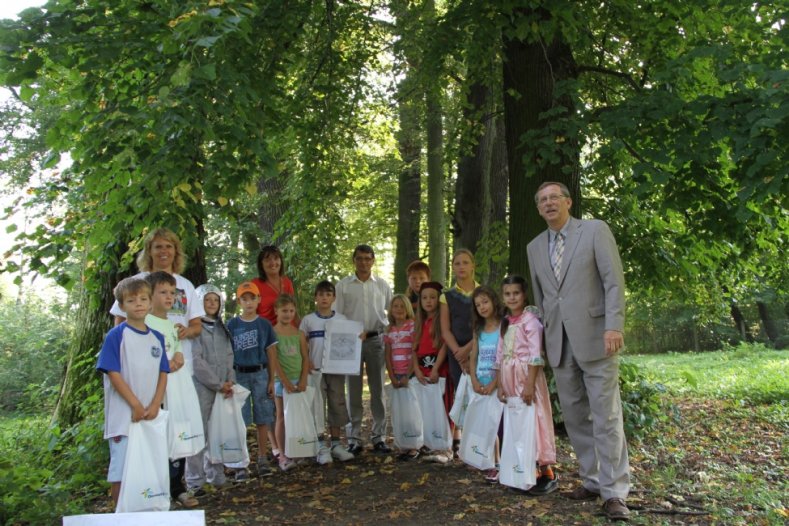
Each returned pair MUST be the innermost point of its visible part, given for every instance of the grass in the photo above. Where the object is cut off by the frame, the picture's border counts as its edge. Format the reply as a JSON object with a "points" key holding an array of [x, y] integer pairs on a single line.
{"points": [[751, 376], [724, 449]]}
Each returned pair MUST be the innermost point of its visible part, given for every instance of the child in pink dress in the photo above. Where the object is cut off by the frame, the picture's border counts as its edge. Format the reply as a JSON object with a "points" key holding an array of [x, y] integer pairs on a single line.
{"points": [[520, 364]]}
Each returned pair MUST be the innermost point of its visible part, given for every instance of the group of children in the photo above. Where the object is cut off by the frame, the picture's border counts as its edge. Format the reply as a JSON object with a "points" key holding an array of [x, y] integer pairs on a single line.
{"points": [[506, 361]]}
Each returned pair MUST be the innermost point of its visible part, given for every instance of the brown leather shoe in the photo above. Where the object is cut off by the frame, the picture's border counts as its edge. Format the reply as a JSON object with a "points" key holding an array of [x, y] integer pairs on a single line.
{"points": [[582, 493], [616, 509]]}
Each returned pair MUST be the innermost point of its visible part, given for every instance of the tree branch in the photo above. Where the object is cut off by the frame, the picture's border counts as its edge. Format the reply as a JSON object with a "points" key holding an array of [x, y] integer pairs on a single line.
{"points": [[598, 69]]}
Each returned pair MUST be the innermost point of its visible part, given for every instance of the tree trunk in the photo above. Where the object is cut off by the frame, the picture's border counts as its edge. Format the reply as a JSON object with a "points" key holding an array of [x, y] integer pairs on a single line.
{"points": [[436, 222], [739, 323], [473, 176], [409, 205], [770, 328], [92, 321], [195, 262], [499, 191], [530, 71]]}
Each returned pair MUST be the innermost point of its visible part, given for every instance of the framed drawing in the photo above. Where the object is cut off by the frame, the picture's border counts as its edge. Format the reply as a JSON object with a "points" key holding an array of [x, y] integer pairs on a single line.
{"points": [[342, 352]]}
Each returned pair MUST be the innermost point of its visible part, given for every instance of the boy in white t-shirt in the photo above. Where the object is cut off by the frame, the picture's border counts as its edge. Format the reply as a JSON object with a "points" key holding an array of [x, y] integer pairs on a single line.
{"points": [[332, 386], [135, 368]]}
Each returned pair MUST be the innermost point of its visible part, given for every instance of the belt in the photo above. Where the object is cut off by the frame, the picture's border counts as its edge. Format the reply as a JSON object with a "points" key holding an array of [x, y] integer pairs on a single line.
{"points": [[372, 334], [248, 368]]}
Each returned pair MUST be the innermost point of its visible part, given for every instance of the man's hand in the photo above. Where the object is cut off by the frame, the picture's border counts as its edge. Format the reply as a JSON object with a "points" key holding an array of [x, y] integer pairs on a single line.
{"points": [[614, 342]]}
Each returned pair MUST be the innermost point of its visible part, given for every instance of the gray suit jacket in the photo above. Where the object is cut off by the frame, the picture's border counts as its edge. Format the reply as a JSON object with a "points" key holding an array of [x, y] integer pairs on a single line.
{"points": [[589, 297]]}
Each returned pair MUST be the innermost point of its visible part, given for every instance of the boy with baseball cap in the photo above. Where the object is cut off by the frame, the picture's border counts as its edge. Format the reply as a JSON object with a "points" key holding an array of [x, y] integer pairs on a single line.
{"points": [[254, 343]]}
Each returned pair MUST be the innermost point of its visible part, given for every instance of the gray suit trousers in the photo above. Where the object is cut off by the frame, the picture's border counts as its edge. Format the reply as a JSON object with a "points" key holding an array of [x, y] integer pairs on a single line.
{"points": [[592, 408]]}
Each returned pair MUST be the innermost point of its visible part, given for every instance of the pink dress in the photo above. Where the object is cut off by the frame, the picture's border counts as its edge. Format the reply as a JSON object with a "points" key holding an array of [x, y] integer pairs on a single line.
{"points": [[520, 347]]}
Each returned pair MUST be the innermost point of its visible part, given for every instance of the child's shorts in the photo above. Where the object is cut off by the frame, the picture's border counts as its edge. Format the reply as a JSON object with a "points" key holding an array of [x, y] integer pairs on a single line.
{"points": [[279, 388], [117, 457], [334, 393], [262, 406]]}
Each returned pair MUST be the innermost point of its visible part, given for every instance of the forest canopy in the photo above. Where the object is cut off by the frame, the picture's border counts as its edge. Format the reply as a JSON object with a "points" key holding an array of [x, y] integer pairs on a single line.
{"points": [[417, 127]]}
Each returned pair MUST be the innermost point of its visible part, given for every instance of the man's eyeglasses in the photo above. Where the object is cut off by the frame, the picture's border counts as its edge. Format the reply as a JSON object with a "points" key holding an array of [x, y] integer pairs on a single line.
{"points": [[553, 198]]}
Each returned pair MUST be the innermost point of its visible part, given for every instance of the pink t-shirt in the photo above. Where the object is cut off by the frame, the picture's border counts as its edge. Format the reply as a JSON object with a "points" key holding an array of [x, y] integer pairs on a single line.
{"points": [[401, 340]]}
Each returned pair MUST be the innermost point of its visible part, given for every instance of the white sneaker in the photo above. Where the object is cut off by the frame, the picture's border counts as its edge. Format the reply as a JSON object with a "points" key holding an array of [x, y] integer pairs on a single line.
{"points": [[286, 464], [324, 456], [341, 454], [187, 500]]}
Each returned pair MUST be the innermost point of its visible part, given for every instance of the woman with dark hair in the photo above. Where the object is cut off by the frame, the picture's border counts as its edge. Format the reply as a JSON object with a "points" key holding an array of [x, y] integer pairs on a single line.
{"points": [[271, 282]]}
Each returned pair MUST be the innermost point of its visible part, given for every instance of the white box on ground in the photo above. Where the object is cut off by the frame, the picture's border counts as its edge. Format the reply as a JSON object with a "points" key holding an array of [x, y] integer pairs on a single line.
{"points": [[146, 518]]}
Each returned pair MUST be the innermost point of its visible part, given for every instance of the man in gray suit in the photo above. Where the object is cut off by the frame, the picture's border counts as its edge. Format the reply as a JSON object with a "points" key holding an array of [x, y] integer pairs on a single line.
{"points": [[579, 286]]}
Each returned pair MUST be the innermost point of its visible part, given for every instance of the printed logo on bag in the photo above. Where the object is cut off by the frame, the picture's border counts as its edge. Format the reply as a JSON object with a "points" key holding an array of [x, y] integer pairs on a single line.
{"points": [[410, 434], [438, 434], [517, 468], [476, 450], [184, 437], [156, 351], [225, 447], [148, 493], [303, 441]]}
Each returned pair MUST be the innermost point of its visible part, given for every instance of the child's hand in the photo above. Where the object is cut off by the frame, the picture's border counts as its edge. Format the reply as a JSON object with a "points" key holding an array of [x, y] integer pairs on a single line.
{"points": [[270, 390], [289, 387], [488, 389], [476, 386], [363, 336], [138, 413], [151, 412], [434, 376], [420, 377], [178, 360], [181, 331], [302, 387], [528, 393]]}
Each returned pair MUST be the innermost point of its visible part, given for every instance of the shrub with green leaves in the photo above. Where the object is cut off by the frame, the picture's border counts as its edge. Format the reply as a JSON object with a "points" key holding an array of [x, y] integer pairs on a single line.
{"points": [[643, 403], [33, 339], [47, 472]]}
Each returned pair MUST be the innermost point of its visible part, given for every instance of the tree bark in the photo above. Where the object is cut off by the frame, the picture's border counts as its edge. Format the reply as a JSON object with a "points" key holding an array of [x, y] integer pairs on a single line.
{"points": [[409, 204], [739, 323], [531, 70], [472, 188], [436, 223], [92, 321], [768, 324]]}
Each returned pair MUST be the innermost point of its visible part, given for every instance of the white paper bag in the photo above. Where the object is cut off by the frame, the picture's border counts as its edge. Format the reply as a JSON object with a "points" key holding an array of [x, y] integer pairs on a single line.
{"points": [[462, 393], [519, 451], [145, 483], [227, 434], [301, 440], [185, 434], [435, 424], [406, 417], [318, 406], [478, 444]]}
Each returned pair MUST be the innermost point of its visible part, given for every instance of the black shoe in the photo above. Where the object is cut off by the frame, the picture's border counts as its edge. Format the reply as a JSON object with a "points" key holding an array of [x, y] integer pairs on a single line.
{"points": [[545, 485], [382, 448], [355, 449]]}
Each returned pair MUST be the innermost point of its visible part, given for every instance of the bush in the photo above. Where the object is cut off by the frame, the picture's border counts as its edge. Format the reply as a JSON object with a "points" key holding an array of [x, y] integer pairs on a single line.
{"points": [[47, 472], [33, 341], [643, 403]]}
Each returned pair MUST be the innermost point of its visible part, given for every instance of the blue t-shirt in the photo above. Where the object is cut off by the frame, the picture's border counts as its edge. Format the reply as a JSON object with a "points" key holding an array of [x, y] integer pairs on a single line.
{"points": [[251, 339], [487, 342]]}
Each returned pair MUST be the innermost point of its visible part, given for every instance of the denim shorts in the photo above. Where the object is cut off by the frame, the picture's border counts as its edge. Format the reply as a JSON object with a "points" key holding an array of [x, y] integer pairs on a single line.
{"points": [[262, 406], [117, 457], [279, 388]]}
